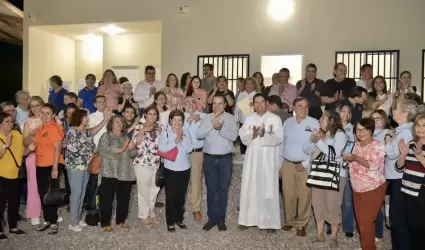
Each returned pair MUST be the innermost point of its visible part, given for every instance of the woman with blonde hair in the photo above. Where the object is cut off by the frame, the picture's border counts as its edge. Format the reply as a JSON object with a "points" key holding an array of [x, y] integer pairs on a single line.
{"points": [[250, 87], [173, 92], [31, 125], [111, 89], [126, 98]]}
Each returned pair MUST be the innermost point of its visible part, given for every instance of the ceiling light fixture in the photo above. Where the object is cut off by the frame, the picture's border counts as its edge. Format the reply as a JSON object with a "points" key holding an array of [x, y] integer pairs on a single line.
{"points": [[281, 10], [112, 30]]}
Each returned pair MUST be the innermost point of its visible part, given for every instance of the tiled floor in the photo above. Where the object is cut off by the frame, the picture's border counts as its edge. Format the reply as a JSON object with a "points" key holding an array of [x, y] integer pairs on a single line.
{"points": [[138, 237]]}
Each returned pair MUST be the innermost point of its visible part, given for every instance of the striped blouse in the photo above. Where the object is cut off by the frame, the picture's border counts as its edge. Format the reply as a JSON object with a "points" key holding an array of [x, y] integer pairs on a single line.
{"points": [[414, 173]]}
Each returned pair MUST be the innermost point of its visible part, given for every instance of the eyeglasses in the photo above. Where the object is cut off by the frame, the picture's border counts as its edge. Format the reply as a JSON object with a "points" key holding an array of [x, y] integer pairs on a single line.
{"points": [[361, 130], [376, 118]]}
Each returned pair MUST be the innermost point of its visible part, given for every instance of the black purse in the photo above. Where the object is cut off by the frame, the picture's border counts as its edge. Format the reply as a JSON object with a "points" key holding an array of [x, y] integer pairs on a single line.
{"points": [[22, 172], [159, 176], [55, 196]]}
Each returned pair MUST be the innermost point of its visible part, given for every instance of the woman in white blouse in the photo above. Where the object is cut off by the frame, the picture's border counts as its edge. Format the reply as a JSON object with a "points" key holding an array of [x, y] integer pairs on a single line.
{"points": [[384, 98], [327, 203], [251, 87], [161, 104]]}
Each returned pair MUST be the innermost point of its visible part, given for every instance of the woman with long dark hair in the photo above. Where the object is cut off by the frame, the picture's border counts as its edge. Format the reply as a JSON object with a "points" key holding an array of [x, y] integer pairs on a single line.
{"points": [[199, 95], [327, 203], [184, 81]]}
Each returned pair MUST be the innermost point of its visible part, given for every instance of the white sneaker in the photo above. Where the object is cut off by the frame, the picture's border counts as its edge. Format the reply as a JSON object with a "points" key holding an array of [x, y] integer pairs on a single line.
{"points": [[82, 224], [60, 219], [35, 221], [75, 229]]}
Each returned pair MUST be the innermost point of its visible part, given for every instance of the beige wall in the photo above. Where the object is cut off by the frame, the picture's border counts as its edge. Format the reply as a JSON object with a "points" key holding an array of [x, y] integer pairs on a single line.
{"points": [[49, 55], [317, 28], [132, 50], [88, 58]]}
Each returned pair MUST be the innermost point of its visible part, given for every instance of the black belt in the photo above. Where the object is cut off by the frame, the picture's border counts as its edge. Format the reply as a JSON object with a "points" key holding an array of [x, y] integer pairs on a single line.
{"points": [[293, 162], [197, 150], [218, 156]]}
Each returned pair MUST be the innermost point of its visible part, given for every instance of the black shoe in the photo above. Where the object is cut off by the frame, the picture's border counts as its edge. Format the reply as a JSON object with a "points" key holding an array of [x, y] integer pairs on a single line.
{"points": [[43, 227], [17, 231], [181, 225], [221, 226], [171, 228], [53, 229], [349, 235], [208, 226], [3, 237]]}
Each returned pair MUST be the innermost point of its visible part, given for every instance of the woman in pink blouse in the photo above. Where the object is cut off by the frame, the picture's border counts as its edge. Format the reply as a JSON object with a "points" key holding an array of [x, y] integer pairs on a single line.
{"points": [[174, 94], [199, 95], [111, 89], [367, 180]]}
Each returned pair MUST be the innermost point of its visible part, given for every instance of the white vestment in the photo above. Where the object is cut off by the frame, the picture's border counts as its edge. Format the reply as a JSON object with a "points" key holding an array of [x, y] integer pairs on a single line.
{"points": [[259, 199]]}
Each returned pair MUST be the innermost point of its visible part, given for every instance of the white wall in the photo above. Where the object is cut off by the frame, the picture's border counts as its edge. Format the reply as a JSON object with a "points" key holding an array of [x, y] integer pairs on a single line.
{"points": [[89, 58], [132, 50], [49, 55], [317, 28]]}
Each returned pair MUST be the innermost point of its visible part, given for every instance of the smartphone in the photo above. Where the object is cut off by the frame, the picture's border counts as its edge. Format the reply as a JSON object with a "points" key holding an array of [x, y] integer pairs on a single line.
{"points": [[349, 146]]}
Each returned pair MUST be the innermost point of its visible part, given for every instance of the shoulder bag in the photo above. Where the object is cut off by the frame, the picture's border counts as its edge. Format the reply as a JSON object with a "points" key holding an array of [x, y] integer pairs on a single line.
{"points": [[324, 174], [95, 162]]}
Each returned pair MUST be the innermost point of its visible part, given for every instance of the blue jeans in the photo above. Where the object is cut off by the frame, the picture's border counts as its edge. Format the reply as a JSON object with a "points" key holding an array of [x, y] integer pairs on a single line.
{"points": [[78, 180], [217, 172], [348, 213]]}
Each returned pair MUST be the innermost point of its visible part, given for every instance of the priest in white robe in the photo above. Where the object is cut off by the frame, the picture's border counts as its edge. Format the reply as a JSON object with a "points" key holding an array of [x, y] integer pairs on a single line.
{"points": [[262, 132]]}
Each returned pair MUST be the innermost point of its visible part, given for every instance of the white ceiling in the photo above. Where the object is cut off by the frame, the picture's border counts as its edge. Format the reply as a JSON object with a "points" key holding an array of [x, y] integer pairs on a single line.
{"points": [[77, 30]]}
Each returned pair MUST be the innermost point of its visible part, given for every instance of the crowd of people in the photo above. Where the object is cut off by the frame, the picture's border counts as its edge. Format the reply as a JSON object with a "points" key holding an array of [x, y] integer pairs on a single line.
{"points": [[165, 135]]}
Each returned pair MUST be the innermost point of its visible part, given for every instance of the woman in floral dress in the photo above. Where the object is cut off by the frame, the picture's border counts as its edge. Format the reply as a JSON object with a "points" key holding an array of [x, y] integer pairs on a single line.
{"points": [[145, 139]]}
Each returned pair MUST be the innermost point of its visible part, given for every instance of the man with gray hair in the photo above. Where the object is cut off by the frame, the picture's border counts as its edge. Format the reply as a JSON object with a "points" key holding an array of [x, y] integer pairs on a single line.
{"points": [[22, 98]]}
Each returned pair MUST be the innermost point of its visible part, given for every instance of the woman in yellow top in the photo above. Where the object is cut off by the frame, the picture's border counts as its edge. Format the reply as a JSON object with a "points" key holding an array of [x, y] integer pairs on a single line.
{"points": [[49, 159], [11, 153]]}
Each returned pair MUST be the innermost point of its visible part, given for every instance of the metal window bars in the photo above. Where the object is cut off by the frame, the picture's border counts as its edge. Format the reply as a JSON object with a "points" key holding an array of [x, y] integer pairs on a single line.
{"points": [[384, 62], [230, 66]]}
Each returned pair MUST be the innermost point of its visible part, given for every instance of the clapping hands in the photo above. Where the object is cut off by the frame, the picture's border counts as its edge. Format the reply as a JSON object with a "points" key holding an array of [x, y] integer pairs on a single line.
{"points": [[216, 122]]}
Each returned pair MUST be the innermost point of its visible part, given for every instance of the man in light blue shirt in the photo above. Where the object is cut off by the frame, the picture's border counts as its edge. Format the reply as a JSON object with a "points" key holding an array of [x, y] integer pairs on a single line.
{"points": [[219, 130], [297, 132], [22, 99], [191, 125]]}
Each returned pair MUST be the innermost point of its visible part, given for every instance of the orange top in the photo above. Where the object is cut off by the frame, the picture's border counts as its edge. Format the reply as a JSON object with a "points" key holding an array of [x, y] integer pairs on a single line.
{"points": [[45, 138]]}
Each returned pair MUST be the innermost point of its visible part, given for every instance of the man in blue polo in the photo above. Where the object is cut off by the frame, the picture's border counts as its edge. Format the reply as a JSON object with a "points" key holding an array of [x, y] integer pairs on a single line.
{"points": [[87, 94]]}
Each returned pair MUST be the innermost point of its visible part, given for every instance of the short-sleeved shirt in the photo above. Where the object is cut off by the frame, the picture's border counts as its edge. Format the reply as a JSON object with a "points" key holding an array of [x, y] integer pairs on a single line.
{"points": [[8, 167], [45, 139], [331, 87], [208, 86], [228, 109], [313, 100], [356, 110], [57, 99], [88, 96]]}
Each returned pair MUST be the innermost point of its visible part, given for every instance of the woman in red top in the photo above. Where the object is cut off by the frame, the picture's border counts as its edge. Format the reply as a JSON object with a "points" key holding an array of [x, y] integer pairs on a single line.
{"points": [[49, 159]]}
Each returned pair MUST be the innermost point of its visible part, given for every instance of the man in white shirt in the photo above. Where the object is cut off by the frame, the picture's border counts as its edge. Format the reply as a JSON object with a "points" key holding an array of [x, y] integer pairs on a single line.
{"points": [[366, 71], [22, 98], [99, 119], [145, 90]]}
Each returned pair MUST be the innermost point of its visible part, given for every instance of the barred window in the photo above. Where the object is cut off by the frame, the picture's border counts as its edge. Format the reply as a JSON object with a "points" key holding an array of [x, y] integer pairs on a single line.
{"points": [[230, 66], [384, 63]]}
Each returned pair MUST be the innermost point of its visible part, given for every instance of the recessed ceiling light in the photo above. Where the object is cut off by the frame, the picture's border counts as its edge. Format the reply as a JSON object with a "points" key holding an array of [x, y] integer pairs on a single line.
{"points": [[281, 10], [112, 30]]}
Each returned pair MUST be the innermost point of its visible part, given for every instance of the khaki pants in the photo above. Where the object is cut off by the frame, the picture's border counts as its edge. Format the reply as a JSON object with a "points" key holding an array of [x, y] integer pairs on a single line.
{"points": [[197, 159], [147, 191], [294, 187]]}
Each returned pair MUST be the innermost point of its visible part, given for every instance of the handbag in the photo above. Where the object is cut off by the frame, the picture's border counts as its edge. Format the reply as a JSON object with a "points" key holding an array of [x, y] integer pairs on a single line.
{"points": [[22, 170], [324, 174], [94, 164], [170, 155], [159, 176], [54, 196]]}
